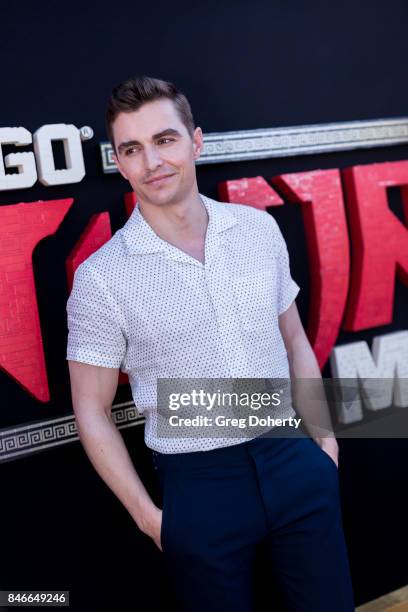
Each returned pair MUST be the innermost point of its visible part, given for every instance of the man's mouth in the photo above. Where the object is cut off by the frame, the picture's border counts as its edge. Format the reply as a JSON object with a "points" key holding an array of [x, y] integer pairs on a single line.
{"points": [[159, 179]]}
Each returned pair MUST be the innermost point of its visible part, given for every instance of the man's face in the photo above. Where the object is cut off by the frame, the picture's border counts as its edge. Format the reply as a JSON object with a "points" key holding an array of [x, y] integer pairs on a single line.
{"points": [[155, 152]]}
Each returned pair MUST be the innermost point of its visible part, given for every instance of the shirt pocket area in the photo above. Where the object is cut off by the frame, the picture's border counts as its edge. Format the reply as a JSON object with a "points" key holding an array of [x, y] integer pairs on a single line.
{"points": [[255, 298]]}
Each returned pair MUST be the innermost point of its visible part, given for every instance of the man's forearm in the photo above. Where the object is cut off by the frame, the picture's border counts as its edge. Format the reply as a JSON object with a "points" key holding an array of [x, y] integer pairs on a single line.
{"points": [[308, 392], [108, 454]]}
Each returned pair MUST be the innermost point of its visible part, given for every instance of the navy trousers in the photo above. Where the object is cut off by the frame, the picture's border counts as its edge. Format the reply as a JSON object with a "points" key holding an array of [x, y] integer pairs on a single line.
{"points": [[220, 505]]}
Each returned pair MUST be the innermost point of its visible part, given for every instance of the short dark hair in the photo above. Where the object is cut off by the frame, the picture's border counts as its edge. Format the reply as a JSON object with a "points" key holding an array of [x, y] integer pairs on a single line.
{"points": [[134, 92]]}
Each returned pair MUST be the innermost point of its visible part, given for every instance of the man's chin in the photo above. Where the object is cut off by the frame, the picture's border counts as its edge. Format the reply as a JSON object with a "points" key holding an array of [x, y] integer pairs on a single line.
{"points": [[163, 197]]}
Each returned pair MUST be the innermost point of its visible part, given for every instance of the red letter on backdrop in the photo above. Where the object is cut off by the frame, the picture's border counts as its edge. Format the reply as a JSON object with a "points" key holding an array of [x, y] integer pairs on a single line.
{"points": [[97, 232], [22, 226], [379, 242], [324, 220], [254, 191]]}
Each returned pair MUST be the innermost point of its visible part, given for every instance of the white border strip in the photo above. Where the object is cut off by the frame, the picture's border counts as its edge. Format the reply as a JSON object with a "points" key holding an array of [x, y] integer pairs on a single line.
{"points": [[242, 145]]}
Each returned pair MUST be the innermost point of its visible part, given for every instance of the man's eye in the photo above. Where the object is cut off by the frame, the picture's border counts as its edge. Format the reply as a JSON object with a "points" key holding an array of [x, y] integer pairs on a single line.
{"points": [[165, 140], [131, 150]]}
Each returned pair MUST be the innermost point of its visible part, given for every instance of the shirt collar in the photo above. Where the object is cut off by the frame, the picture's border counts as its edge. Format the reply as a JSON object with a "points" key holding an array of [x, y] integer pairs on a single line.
{"points": [[140, 238]]}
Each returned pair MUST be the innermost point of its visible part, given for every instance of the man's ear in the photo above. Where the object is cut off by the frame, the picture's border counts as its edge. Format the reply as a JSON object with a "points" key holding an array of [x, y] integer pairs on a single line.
{"points": [[118, 165], [197, 142]]}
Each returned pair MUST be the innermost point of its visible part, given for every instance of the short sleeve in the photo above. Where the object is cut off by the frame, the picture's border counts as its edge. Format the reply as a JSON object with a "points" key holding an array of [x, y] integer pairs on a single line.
{"points": [[286, 287], [95, 333]]}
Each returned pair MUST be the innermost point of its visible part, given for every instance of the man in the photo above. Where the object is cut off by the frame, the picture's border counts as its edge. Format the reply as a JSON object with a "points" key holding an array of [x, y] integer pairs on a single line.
{"points": [[194, 288]]}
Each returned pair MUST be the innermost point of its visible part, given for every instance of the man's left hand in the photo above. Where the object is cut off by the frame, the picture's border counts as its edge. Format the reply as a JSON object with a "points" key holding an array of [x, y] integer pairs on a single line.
{"points": [[330, 446]]}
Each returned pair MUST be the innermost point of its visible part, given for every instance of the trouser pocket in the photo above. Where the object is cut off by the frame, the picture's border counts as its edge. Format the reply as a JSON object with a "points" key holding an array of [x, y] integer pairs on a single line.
{"points": [[327, 458], [164, 522], [164, 502]]}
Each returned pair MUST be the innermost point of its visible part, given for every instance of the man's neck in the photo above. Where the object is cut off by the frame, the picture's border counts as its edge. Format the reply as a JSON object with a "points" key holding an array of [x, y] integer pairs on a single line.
{"points": [[186, 219]]}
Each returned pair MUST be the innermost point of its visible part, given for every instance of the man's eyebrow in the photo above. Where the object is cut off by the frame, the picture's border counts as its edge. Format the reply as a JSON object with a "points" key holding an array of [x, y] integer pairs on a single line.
{"points": [[132, 143], [168, 132], [127, 143]]}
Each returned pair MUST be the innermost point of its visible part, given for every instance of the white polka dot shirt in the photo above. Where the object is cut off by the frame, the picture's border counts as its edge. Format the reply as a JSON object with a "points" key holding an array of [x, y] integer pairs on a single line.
{"points": [[143, 305]]}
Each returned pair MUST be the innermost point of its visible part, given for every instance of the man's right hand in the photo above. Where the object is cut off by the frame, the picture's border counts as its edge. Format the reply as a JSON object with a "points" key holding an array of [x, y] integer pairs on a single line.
{"points": [[152, 525]]}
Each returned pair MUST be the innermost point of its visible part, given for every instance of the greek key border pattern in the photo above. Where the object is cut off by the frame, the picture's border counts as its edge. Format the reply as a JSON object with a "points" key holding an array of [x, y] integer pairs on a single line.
{"points": [[27, 439], [290, 141]]}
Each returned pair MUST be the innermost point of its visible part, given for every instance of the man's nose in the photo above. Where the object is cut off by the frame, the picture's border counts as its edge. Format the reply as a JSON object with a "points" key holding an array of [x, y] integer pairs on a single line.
{"points": [[152, 158]]}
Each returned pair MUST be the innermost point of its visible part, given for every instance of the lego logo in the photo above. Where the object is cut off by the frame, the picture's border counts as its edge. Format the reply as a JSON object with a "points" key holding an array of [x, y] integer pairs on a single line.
{"points": [[40, 163]]}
